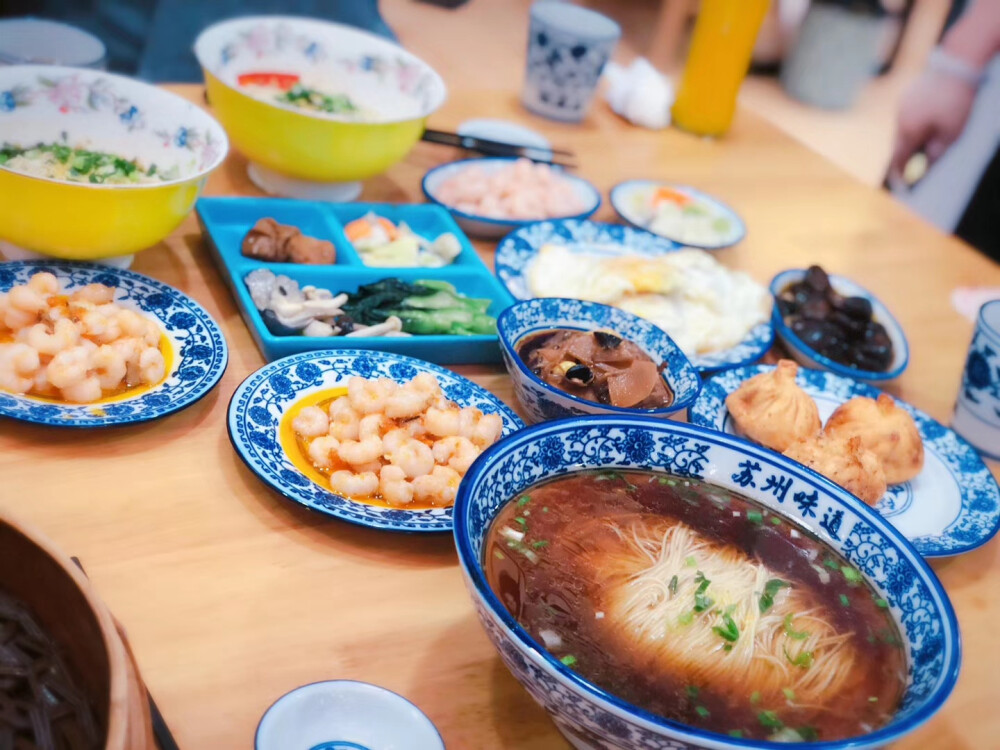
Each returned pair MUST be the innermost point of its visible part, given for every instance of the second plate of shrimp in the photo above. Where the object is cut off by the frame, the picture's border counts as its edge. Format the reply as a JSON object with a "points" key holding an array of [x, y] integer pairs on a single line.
{"points": [[378, 439]]}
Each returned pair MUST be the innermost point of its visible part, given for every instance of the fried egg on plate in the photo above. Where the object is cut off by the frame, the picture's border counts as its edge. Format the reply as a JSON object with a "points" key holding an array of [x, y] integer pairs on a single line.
{"points": [[702, 305]]}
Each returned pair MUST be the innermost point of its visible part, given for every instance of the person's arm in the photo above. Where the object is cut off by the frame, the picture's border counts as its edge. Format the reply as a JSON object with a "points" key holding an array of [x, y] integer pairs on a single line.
{"points": [[934, 111]]}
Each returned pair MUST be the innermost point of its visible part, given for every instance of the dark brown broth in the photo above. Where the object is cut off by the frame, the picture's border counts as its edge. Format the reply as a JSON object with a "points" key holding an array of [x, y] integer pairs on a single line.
{"points": [[537, 583]]}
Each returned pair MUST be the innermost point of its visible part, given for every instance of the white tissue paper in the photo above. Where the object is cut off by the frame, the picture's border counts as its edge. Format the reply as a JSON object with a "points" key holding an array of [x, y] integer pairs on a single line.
{"points": [[639, 93]]}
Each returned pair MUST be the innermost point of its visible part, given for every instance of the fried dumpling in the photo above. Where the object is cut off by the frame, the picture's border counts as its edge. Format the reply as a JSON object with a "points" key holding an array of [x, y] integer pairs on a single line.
{"points": [[886, 429], [844, 460], [773, 410]]}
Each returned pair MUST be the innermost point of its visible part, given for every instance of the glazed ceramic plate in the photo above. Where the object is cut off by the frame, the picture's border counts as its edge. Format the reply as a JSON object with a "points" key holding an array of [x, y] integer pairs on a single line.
{"points": [[518, 248], [951, 507], [200, 353], [262, 400], [628, 199]]}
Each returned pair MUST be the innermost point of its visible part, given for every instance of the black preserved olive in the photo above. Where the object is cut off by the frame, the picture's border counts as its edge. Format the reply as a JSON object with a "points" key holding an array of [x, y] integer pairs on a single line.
{"points": [[852, 327], [607, 340], [858, 308], [786, 306], [816, 308], [580, 373], [817, 279]]}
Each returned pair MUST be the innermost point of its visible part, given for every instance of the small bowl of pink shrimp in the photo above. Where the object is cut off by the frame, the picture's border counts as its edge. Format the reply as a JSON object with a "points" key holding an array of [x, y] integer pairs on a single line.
{"points": [[374, 438], [489, 197]]}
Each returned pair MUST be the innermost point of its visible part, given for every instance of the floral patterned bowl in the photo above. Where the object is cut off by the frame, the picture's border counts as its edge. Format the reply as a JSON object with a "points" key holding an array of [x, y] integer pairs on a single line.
{"points": [[262, 400], [102, 112], [590, 717], [305, 153], [542, 401], [199, 349]]}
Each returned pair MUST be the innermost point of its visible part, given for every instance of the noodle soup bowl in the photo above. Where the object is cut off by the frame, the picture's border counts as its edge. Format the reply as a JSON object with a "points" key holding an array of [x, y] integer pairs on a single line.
{"points": [[592, 718], [98, 111], [542, 401]]}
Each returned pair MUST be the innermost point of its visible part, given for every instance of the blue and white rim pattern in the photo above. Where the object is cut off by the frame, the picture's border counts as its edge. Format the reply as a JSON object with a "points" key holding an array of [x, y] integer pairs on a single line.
{"points": [[978, 493], [518, 248], [916, 598], [534, 316], [621, 194], [200, 350], [262, 400], [441, 170]]}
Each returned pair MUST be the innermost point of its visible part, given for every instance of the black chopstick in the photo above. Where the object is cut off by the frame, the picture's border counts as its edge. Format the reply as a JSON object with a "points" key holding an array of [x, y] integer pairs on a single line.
{"points": [[161, 732], [498, 148]]}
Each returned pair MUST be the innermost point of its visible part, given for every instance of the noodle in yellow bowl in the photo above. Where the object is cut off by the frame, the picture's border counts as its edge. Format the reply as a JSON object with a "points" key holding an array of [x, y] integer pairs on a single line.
{"points": [[94, 165], [314, 105]]}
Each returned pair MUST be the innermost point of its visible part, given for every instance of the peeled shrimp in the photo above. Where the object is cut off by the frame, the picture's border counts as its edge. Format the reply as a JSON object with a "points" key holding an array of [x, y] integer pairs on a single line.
{"points": [[152, 366], [485, 430], [343, 420], [442, 422], [438, 487], [407, 402], [85, 391], [455, 452], [414, 458], [348, 483], [360, 452], [393, 439], [100, 327], [369, 396], [321, 451], [64, 335], [311, 421], [393, 486], [19, 364], [70, 366], [95, 294], [108, 366], [44, 283], [370, 425]]}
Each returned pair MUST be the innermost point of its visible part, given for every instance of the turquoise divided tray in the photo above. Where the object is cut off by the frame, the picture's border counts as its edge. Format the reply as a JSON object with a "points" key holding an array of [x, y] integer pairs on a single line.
{"points": [[225, 221]]}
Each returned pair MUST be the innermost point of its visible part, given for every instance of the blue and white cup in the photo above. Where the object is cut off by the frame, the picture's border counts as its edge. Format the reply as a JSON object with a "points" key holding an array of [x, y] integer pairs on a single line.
{"points": [[568, 47], [977, 411]]}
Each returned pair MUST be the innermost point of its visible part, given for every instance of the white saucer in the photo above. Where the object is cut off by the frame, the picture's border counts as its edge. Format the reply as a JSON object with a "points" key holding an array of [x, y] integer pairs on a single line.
{"points": [[276, 183], [345, 715]]}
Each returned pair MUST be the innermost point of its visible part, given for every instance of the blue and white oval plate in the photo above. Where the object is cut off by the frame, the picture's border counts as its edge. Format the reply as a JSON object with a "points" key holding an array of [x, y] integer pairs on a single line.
{"points": [[951, 507], [261, 402], [516, 251], [200, 354]]}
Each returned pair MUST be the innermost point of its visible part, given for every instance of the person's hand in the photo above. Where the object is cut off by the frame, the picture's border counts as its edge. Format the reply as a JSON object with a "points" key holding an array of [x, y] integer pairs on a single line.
{"points": [[932, 116]]}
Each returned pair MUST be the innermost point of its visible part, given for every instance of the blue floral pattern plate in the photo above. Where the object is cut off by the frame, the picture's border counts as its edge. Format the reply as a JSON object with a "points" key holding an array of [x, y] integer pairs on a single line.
{"points": [[519, 248], [261, 401], [951, 507], [200, 351]]}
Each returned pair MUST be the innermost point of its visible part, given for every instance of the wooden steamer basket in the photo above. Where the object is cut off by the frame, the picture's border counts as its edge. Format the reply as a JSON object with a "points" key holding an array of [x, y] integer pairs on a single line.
{"points": [[35, 571]]}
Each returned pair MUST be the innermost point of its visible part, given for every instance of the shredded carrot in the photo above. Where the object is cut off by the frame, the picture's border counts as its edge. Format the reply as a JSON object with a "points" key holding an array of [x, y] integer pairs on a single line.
{"points": [[664, 194], [360, 228]]}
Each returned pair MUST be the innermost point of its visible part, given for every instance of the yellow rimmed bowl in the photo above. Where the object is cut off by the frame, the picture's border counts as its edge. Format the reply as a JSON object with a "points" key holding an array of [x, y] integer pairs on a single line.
{"points": [[101, 112], [304, 153]]}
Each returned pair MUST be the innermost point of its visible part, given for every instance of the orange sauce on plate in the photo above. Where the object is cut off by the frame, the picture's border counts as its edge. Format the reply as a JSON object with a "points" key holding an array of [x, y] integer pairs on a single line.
{"points": [[296, 447]]}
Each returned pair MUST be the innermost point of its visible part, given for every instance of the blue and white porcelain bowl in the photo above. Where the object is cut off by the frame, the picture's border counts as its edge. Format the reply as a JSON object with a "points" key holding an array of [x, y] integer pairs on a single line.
{"points": [[631, 200], [200, 353], [542, 401], [345, 715], [487, 227], [518, 249], [589, 716], [261, 401], [806, 355], [951, 507]]}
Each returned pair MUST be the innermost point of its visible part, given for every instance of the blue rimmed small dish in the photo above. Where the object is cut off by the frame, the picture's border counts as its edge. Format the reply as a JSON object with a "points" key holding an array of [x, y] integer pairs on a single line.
{"points": [[631, 200], [261, 402], [951, 507], [199, 350], [518, 249], [487, 227], [806, 355], [592, 717], [542, 401], [345, 715]]}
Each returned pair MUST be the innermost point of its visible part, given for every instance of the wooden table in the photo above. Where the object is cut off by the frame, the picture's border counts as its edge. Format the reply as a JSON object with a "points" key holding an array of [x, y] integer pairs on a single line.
{"points": [[232, 595]]}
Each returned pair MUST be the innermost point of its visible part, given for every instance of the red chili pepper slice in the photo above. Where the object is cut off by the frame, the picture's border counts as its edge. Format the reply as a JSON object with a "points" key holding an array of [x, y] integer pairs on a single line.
{"points": [[283, 81]]}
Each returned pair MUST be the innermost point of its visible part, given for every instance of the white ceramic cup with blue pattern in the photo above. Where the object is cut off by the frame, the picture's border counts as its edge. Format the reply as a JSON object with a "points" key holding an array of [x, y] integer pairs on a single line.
{"points": [[568, 47], [977, 410]]}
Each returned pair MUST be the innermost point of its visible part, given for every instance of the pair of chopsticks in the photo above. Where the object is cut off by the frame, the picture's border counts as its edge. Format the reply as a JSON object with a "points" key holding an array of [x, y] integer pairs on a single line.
{"points": [[499, 148], [161, 732]]}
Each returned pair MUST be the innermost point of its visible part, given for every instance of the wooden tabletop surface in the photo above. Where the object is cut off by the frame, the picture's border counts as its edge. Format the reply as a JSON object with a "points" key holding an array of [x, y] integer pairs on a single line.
{"points": [[232, 595]]}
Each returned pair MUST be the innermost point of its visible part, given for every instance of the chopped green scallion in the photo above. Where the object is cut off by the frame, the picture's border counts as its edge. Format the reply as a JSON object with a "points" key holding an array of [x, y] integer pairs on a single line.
{"points": [[881, 603], [755, 516], [673, 586], [569, 660], [523, 500], [770, 589], [690, 561], [686, 618], [770, 720], [692, 691], [755, 696], [539, 544], [702, 712], [844, 600], [728, 630], [737, 733], [850, 574], [789, 693], [795, 635]]}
